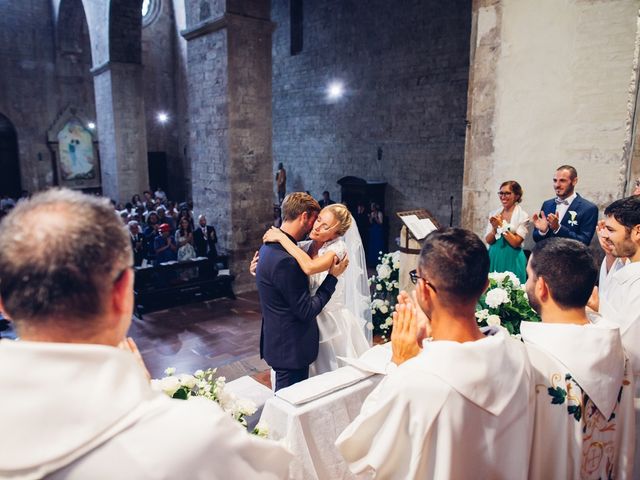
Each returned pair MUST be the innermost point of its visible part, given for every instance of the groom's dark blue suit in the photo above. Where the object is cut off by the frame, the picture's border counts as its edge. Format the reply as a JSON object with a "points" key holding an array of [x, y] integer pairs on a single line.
{"points": [[581, 228], [289, 337]]}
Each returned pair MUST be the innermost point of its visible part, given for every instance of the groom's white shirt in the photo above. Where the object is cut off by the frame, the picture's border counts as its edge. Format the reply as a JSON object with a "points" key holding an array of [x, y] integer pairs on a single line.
{"points": [[78, 411], [457, 410], [584, 414]]}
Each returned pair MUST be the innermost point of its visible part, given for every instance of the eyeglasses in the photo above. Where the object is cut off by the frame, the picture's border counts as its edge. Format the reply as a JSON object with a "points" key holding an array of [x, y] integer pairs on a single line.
{"points": [[413, 275], [504, 194]]}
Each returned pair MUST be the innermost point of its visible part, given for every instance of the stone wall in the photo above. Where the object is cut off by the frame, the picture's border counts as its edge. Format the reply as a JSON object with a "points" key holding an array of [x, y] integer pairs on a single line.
{"points": [[552, 83], [405, 72]]}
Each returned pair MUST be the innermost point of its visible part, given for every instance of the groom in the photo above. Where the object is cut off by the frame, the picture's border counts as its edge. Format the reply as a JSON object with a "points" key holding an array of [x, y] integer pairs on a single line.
{"points": [[289, 338]]}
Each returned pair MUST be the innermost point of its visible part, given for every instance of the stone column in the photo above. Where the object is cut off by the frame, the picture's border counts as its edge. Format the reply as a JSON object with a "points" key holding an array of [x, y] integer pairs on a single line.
{"points": [[229, 96], [121, 123]]}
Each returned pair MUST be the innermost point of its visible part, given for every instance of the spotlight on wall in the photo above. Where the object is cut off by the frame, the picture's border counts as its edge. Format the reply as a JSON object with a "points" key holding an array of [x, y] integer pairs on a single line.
{"points": [[335, 90], [162, 117], [91, 126]]}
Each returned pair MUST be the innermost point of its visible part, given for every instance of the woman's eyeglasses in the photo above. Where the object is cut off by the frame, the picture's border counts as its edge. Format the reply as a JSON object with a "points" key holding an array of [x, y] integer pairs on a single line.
{"points": [[504, 194]]}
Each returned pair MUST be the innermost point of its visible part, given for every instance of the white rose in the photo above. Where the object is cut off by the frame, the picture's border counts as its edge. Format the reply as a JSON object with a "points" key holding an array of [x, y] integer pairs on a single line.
{"points": [[227, 401], [187, 380], [169, 385], [170, 371], [497, 297], [384, 271], [482, 314], [384, 309], [246, 407], [493, 320], [515, 280], [198, 373], [378, 287], [498, 277]]}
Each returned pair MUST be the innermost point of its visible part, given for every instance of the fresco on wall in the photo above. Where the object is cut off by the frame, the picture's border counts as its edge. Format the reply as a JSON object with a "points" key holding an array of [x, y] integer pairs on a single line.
{"points": [[76, 154]]}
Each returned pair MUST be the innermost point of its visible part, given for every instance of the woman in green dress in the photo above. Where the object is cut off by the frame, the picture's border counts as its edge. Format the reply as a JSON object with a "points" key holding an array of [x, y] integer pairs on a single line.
{"points": [[506, 232]]}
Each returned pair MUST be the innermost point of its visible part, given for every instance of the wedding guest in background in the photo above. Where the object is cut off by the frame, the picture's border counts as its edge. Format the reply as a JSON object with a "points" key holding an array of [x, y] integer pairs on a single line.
{"points": [[164, 218], [457, 401], [137, 243], [113, 425], [326, 200], [184, 241], [362, 220], [277, 216], [185, 213], [124, 216], [136, 201], [160, 194], [506, 231], [205, 239], [584, 393], [376, 234], [281, 182], [164, 245], [568, 215]]}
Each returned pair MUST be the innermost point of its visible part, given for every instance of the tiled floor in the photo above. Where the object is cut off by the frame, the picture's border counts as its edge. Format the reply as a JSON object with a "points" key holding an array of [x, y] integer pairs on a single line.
{"points": [[221, 333]]}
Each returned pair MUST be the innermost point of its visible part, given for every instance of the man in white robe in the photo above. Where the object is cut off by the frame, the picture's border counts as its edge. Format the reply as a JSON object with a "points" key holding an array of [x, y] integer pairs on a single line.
{"points": [[584, 421], [459, 407], [74, 405], [620, 302]]}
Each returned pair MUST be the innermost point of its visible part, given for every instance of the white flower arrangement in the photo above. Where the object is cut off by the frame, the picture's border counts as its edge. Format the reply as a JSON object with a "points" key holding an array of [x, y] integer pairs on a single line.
{"points": [[385, 285], [573, 214], [204, 383], [505, 303]]}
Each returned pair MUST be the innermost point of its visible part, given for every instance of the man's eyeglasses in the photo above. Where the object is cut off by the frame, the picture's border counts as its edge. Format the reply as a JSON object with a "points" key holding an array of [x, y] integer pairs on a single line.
{"points": [[413, 274]]}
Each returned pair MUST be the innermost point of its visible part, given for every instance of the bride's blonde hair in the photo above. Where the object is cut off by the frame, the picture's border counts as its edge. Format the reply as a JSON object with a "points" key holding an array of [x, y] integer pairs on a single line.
{"points": [[342, 216]]}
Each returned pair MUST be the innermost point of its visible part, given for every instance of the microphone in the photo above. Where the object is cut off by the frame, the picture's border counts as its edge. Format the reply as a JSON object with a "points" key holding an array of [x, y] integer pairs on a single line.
{"points": [[451, 206]]}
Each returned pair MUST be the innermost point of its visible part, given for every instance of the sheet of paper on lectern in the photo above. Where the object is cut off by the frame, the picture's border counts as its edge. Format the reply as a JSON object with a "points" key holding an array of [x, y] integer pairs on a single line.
{"points": [[374, 360], [419, 227]]}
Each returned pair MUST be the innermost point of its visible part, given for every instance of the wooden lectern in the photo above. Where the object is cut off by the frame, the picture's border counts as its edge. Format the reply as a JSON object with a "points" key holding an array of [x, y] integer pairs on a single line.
{"points": [[416, 225]]}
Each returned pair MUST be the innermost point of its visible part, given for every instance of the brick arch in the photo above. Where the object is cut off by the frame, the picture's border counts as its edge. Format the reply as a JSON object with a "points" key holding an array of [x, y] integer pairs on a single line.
{"points": [[125, 31], [10, 183]]}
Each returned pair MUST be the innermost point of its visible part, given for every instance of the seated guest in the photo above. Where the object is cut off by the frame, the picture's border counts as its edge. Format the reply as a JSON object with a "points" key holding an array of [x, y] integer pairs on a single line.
{"points": [[164, 218], [205, 239], [460, 406], [584, 384], [184, 241], [87, 410], [150, 233], [164, 245], [137, 243], [326, 200]]}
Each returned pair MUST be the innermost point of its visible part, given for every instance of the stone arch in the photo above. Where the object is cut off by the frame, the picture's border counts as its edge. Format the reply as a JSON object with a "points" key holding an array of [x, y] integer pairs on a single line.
{"points": [[10, 183], [125, 31]]}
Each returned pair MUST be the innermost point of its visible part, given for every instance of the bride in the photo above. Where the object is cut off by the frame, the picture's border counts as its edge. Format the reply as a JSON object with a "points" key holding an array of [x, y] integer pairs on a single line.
{"points": [[345, 321]]}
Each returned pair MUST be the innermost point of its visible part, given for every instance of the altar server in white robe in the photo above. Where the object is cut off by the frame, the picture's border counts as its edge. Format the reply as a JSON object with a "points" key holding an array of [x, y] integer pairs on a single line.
{"points": [[460, 406], [584, 421], [73, 404]]}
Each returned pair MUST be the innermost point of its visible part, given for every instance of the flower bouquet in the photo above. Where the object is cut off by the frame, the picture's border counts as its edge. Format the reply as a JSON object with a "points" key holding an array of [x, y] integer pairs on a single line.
{"points": [[505, 303], [204, 383], [385, 289]]}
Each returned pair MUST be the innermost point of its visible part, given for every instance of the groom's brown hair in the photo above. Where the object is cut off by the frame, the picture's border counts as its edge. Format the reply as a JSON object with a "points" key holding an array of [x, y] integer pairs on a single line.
{"points": [[296, 203]]}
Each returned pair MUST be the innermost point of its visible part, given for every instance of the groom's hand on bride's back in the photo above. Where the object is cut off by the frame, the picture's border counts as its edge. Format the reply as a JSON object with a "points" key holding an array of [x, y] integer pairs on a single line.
{"points": [[339, 266]]}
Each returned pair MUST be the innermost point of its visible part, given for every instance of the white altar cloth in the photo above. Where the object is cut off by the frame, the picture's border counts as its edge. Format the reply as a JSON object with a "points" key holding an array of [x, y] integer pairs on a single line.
{"points": [[310, 430]]}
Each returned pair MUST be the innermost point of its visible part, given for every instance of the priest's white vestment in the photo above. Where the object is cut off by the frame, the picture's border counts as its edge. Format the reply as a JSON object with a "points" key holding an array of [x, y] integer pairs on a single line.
{"points": [[621, 304], [77, 411], [457, 410], [584, 415]]}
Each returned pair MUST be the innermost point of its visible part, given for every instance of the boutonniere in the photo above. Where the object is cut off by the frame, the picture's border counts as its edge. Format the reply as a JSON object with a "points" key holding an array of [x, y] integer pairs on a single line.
{"points": [[573, 214]]}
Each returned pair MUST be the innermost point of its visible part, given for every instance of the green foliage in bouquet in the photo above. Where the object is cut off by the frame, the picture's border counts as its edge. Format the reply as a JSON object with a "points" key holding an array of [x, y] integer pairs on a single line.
{"points": [[505, 303], [384, 293], [204, 383]]}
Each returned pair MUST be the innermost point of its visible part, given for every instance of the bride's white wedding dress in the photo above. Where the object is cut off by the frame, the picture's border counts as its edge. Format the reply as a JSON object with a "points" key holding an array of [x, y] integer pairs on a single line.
{"points": [[342, 333]]}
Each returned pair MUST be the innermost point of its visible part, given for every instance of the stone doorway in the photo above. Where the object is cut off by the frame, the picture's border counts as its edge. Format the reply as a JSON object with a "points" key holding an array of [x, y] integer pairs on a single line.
{"points": [[10, 183]]}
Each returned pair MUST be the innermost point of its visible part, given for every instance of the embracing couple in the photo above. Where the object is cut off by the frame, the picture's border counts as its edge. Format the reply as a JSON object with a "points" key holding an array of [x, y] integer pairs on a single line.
{"points": [[315, 305]]}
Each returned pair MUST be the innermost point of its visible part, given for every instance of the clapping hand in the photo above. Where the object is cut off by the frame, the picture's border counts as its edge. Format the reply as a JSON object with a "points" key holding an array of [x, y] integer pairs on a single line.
{"points": [[496, 221], [404, 337], [424, 324], [603, 237], [554, 221], [540, 222]]}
